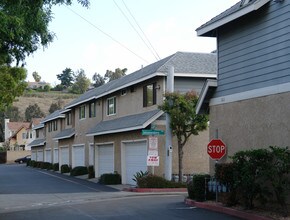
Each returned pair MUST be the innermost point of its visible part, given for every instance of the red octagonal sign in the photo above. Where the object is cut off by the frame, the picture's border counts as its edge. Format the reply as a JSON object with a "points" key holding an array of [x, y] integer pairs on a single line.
{"points": [[216, 149]]}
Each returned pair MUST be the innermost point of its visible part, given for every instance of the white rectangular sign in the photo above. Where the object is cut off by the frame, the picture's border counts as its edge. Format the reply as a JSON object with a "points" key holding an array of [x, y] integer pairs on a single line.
{"points": [[153, 143], [153, 161], [152, 152]]}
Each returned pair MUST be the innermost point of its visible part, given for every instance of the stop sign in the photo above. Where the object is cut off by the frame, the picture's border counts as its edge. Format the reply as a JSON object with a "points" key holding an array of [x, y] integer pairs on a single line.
{"points": [[216, 149]]}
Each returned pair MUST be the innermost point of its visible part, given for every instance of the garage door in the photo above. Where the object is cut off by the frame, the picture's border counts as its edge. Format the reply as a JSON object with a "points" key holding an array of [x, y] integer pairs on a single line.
{"points": [[48, 155], [33, 155], [40, 155], [55, 156], [64, 155], [105, 159], [135, 159], [78, 156]]}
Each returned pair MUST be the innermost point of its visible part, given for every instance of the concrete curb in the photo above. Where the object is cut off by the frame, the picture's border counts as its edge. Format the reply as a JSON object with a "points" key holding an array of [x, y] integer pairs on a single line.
{"points": [[229, 211], [154, 190]]}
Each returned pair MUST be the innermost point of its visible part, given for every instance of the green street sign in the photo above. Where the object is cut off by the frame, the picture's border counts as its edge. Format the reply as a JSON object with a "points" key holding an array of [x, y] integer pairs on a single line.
{"points": [[152, 132]]}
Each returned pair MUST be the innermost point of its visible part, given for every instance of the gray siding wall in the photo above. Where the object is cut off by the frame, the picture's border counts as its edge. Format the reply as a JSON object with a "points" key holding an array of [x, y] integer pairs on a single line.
{"points": [[254, 51]]}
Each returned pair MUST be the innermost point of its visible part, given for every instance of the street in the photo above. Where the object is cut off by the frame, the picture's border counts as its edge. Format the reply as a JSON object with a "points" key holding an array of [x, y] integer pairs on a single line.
{"points": [[29, 193]]}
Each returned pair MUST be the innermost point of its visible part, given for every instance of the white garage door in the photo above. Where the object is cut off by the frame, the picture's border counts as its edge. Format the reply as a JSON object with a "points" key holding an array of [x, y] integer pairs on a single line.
{"points": [[78, 156], [40, 155], [135, 159], [64, 155], [33, 155], [105, 159], [48, 155], [55, 156]]}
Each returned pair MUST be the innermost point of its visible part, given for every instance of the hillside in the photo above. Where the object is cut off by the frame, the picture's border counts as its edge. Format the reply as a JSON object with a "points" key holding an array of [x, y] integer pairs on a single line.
{"points": [[43, 100]]}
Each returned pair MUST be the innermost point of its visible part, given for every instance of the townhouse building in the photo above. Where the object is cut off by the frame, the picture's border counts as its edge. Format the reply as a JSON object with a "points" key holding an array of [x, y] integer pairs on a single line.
{"points": [[103, 127], [249, 103]]}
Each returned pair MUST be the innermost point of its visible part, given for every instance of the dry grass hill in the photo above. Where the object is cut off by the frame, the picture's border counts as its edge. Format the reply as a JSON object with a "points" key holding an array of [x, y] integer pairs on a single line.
{"points": [[43, 100]]}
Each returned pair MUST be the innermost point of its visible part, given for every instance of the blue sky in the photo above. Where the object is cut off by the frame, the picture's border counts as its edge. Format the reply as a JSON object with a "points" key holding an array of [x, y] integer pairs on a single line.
{"points": [[79, 44]]}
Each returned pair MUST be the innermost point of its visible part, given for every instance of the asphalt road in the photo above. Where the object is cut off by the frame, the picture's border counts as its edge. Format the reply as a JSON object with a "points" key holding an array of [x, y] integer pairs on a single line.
{"points": [[27, 193]]}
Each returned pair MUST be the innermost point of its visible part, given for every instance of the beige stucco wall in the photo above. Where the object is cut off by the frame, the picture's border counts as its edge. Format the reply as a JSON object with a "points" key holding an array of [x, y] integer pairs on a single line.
{"points": [[253, 123], [195, 156], [13, 155]]}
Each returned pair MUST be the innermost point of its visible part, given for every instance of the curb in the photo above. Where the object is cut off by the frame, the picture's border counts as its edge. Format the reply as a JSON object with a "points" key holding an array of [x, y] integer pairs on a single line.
{"points": [[154, 190], [229, 211]]}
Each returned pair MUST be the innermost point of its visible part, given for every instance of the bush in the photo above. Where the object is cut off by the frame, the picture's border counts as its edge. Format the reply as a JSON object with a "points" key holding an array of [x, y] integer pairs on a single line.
{"points": [[153, 181], [110, 178], [91, 171], [197, 189], [64, 168], [55, 167], [45, 165], [79, 171]]}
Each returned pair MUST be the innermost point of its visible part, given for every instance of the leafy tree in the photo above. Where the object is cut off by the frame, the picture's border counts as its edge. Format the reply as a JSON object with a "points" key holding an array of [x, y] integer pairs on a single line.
{"points": [[81, 84], [23, 29], [12, 81], [98, 80], [110, 75], [66, 77], [46, 88], [53, 107], [33, 111], [36, 76], [184, 121]]}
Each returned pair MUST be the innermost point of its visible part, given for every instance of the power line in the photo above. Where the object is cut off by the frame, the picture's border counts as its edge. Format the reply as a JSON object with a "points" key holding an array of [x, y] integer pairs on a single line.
{"points": [[135, 29], [141, 29], [109, 36]]}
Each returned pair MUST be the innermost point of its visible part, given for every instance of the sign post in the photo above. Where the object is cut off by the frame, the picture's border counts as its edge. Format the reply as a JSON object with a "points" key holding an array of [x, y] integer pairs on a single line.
{"points": [[216, 149]]}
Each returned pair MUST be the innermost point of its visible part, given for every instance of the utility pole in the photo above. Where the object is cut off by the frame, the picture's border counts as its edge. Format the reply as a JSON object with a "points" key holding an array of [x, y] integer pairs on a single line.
{"points": [[168, 132]]}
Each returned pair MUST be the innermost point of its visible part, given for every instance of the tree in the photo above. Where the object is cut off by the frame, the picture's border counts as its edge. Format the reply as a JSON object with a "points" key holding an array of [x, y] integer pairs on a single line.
{"points": [[184, 121], [54, 106], [110, 75], [98, 80], [12, 81], [36, 76], [33, 111], [66, 77], [81, 84], [23, 30]]}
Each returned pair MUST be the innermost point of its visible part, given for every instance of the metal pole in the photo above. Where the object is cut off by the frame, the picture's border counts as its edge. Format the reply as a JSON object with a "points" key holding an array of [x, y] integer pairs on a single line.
{"points": [[168, 132]]}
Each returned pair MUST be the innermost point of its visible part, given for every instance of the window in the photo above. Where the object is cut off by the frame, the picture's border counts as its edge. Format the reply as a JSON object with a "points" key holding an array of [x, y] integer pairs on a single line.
{"points": [[111, 106], [92, 109], [82, 112], [68, 118], [23, 135], [149, 95], [37, 133], [54, 125]]}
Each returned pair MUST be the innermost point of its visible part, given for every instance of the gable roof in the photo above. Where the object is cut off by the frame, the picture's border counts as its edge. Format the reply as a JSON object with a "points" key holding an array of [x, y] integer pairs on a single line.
{"points": [[185, 63], [55, 115], [238, 10], [126, 123], [15, 126]]}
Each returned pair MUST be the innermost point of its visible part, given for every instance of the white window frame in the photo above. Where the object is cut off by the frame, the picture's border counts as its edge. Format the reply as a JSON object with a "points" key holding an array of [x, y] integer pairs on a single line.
{"points": [[111, 107]]}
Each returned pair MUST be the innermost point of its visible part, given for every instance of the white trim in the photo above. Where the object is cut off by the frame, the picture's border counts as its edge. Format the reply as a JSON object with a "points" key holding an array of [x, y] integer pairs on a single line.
{"points": [[130, 128], [195, 75], [208, 83], [51, 119], [247, 9], [255, 93], [64, 137]]}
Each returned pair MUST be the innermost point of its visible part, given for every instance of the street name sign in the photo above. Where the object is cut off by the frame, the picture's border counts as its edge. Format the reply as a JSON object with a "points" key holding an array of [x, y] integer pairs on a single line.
{"points": [[152, 132]]}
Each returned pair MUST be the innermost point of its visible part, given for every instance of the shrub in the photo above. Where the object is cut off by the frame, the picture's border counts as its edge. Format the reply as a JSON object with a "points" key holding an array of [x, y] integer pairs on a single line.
{"points": [[110, 178], [197, 189], [139, 174], [64, 168], [91, 171], [79, 171], [45, 165], [153, 181], [55, 167]]}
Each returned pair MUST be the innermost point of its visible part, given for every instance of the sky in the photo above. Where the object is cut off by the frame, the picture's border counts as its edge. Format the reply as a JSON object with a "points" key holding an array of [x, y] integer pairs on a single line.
{"points": [[101, 38]]}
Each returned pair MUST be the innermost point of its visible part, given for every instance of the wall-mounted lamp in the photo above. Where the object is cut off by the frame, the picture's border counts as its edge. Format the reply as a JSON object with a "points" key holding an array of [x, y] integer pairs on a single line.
{"points": [[157, 87]]}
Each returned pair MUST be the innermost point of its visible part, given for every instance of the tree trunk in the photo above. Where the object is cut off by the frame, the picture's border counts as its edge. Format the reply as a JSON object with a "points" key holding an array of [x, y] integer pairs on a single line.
{"points": [[180, 160]]}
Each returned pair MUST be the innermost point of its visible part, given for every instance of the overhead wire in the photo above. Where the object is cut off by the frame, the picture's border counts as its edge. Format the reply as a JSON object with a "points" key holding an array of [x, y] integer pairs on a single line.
{"points": [[106, 34], [136, 30], [141, 29]]}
